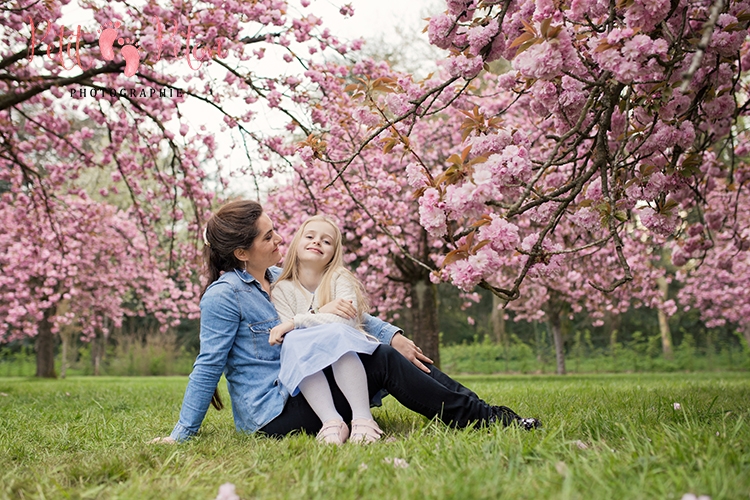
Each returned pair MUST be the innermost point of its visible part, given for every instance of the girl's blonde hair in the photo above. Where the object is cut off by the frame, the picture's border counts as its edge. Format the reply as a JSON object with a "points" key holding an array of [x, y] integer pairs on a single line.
{"points": [[290, 271]]}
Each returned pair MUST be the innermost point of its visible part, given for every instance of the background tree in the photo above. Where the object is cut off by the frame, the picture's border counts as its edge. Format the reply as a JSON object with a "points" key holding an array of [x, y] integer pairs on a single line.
{"points": [[378, 214], [611, 114], [113, 94], [715, 283], [103, 274]]}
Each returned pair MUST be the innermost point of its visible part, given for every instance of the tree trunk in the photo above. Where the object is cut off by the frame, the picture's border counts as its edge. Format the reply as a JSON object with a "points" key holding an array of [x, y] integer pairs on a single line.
{"points": [[97, 352], [666, 335], [555, 324], [45, 347], [498, 320], [424, 326], [746, 333], [612, 323], [65, 337]]}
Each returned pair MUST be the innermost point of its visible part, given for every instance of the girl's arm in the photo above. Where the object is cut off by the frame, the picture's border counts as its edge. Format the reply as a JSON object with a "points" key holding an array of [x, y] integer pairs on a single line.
{"points": [[342, 289], [285, 306], [220, 321]]}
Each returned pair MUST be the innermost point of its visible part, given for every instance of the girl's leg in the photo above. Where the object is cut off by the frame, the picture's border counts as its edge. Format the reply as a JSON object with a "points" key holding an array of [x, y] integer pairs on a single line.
{"points": [[298, 415], [317, 392], [352, 380]]}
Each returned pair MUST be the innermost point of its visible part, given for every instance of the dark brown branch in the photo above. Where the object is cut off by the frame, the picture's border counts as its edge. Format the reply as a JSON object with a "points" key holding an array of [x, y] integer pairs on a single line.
{"points": [[8, 100]]}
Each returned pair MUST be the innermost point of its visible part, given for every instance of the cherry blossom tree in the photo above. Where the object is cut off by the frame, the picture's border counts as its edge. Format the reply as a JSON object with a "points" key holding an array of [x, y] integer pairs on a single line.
{"points": [[104, 272], [614, 118], [564, 288], [389, 250], [627, 102], [111, 95], [716, 258]]}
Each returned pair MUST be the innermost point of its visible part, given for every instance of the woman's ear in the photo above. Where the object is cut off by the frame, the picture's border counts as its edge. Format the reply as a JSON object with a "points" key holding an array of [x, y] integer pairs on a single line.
{"points": [[241, 254]]}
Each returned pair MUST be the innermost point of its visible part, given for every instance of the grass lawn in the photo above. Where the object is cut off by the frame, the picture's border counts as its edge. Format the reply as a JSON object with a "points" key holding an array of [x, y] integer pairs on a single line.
{"points": [[606, 437]]}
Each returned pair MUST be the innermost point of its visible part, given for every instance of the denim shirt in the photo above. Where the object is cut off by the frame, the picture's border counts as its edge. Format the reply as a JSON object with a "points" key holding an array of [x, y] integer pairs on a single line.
{"points": [[236, 318]]}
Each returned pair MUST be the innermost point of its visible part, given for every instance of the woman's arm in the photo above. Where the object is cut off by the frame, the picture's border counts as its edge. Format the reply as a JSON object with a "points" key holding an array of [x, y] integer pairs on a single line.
{"points": [[220, 320], [394, 336]]}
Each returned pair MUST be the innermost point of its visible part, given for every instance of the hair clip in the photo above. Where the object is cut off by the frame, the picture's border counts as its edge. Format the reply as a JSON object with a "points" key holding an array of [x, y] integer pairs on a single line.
{"points": [[205, 237]]}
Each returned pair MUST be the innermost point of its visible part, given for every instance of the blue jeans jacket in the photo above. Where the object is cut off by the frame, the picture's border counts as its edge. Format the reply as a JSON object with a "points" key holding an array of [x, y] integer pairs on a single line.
{"points": [[236, 317]]}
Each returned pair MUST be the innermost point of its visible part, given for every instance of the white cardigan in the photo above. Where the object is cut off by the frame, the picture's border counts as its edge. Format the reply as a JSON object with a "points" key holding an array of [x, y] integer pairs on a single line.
{"points": [[296, 303]]}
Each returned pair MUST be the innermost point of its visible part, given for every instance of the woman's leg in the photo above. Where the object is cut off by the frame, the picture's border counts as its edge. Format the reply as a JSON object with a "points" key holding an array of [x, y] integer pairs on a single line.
{"points": [[431, 395]]}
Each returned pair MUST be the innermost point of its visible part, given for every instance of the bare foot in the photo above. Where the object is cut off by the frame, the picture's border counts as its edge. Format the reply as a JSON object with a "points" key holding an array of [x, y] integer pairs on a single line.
{"points": [[163, 440]]}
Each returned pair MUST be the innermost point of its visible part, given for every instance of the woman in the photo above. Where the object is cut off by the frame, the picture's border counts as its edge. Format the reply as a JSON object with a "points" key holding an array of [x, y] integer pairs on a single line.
{"points": [[242, 249]]}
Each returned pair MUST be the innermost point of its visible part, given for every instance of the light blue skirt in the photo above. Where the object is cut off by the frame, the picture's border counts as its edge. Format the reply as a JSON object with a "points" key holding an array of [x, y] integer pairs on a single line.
{"points": [[306, 351]]}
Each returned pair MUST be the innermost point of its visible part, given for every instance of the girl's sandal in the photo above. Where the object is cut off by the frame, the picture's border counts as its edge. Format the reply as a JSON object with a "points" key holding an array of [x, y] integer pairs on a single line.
{"points": [[365, 431], [333, 432]]}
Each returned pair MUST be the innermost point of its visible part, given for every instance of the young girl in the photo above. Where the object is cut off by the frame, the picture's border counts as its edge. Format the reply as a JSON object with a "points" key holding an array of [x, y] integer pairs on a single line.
{"points": [[314, 275]]}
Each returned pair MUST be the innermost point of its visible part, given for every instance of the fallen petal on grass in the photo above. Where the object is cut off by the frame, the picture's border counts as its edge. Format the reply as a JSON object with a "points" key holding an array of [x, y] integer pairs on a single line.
{"points": [[227, 492], [397, 462], [677, 406]]}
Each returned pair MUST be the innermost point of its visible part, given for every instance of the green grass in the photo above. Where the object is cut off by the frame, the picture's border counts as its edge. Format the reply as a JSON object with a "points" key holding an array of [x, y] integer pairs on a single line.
{"points": [[606, 437]]}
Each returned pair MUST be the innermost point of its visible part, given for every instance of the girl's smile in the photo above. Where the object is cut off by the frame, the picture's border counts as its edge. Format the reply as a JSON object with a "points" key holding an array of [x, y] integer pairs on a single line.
{"points": [[316, 246]]}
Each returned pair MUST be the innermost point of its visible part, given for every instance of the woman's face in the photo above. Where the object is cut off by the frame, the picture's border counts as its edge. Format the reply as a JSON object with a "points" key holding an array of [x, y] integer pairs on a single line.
{"points": [[265, 250]]}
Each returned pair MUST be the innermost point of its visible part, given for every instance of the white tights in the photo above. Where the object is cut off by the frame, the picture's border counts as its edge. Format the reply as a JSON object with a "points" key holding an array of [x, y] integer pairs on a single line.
{"points": [[350, 377]]}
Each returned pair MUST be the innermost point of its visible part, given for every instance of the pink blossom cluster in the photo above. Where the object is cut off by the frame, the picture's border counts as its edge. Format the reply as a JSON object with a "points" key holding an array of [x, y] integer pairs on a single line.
{"points": [[467, 273], [548, 59], [663, 224], [586, 218], [501, 234], [646, 14], [631, 56], [432, 213]]}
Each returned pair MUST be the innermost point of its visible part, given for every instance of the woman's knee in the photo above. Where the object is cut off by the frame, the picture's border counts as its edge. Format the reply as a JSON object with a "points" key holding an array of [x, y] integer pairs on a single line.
{"points": [[377, 360], [384, 354]]}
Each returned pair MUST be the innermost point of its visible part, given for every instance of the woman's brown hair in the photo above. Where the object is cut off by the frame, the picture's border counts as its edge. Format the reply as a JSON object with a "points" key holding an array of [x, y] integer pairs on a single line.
{"points": [[234, 226]]}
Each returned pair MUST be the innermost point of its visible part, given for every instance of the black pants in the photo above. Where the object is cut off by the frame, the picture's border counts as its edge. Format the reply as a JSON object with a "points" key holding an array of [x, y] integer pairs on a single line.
{"points": [[433, 394]]}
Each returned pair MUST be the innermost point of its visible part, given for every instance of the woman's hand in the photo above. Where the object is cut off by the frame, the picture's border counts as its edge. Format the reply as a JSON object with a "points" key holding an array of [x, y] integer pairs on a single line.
{"points": [[340, 307], [410, 351], [277, 332], [163, 440]]}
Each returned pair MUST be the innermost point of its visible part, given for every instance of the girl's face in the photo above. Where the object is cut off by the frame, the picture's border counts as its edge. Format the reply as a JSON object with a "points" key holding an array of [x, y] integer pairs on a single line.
{"points": [[265, 250], [317, 244]]}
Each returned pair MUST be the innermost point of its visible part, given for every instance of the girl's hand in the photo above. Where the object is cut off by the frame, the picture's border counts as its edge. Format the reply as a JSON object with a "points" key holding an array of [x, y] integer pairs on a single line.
{"points": [[340, 307], [277, 332]]}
